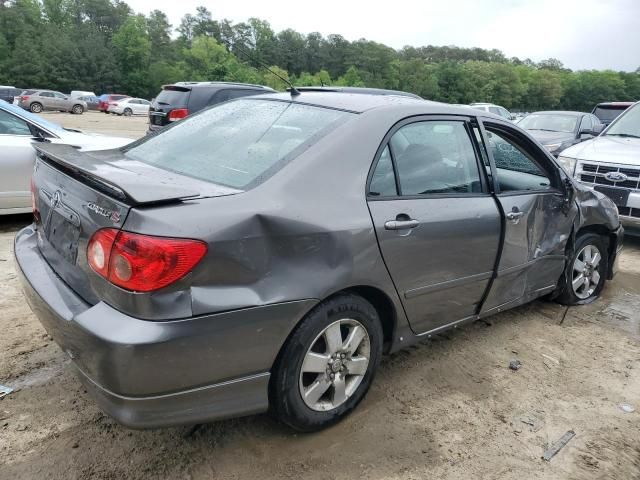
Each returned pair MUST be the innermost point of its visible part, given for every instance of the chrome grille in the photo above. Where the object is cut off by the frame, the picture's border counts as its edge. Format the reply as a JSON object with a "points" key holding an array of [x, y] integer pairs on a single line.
{"points": [[594, 174]]}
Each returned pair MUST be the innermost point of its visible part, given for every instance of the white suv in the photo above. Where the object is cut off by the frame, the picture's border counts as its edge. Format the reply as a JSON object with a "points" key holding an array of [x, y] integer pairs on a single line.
{"points": [[497, 109], [610, 164]]}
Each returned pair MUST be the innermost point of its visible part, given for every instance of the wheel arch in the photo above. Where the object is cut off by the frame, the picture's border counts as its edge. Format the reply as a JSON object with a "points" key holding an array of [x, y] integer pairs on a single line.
{"points": [[612, 242]]}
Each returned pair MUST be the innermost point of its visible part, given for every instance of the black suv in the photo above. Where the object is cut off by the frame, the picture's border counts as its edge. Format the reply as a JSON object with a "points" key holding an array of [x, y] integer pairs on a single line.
{"points": [[607, 112], [181, 99], [9, 93]]}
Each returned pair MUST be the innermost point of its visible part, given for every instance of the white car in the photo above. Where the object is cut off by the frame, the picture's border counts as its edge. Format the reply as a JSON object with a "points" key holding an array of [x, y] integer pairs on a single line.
{"points": [[492, 108], [130, 106], [19, 130], [610, 164]]}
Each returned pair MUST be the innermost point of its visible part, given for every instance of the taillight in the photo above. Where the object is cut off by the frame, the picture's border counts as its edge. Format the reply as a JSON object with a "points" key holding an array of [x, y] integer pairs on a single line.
{"points": [[24, 98], [178, 114], [34, 200], [142, 263]]}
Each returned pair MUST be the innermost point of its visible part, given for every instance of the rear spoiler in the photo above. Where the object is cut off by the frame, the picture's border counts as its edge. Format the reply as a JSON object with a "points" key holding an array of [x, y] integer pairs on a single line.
{"points": [[108, 175]]}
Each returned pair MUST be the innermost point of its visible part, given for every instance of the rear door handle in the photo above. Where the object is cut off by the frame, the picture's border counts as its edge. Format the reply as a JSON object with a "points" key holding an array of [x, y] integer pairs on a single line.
{"points": [[401, 224]]}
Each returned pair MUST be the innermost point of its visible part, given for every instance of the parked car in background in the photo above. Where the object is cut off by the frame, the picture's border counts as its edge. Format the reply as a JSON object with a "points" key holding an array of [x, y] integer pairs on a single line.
{"points": [[130, 106], [557, 130], [9, 94], [81, 93], [610, 164], [181, 99], [106, 98], [91, 100], [607, 112], [37, 101], [19, 131], [495, 109], [265, 252]]}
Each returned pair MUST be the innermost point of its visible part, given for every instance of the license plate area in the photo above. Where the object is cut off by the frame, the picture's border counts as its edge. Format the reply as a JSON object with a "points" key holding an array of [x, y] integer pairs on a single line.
{"points": [[619, 196], [63, 233]]}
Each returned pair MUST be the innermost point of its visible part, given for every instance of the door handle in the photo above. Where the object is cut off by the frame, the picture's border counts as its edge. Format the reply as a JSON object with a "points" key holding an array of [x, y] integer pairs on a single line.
{"points": [[401, 224], [514, 215]]}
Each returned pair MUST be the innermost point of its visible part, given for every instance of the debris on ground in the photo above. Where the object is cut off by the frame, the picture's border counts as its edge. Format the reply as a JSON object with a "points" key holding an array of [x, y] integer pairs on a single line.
{"points": [[534, 422], [559, 445], [515, 365], [625, 407], [4, 391]]}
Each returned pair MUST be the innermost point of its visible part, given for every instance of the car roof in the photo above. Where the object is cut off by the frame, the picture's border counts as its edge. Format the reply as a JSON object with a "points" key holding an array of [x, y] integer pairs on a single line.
{"points": [[372, 91], [218, 85], [559, 112], [360, 103], [615, 104]]}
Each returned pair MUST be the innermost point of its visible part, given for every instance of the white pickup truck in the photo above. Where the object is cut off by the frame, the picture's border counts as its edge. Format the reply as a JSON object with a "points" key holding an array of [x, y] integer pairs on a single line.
{"points": [[610, 163]]}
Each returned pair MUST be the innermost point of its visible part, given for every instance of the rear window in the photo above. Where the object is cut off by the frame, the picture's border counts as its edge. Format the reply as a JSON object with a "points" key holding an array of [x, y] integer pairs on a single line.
{"points": [[29, 92], [238, 143], [175, 98], [610, 112]]}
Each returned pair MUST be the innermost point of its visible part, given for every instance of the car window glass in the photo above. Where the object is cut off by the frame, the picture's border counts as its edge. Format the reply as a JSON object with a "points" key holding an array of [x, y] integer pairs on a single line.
{"points": [[58, 95], [12, 125], [383, 182], [516, 170], [46, 94], [494, 110], [504, 113], [435, 157], [237, 143]]}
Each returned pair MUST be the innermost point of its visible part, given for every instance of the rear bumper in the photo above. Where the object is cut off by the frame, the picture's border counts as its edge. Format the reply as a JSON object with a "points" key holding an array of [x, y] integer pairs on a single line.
{"points": [[150, 374]]}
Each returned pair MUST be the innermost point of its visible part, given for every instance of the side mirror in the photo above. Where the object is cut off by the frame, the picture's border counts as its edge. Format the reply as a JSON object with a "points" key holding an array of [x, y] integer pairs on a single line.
{"points": [[597, 129], [513, 117]]}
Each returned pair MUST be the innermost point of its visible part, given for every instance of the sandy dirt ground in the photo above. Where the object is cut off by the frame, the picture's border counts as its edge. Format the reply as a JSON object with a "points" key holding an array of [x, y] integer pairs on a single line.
{"points": [[449, 408], [98, 122]]}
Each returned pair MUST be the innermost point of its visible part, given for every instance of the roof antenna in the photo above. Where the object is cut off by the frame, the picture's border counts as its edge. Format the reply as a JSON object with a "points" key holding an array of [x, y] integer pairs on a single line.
{"points": [[292, 90]]}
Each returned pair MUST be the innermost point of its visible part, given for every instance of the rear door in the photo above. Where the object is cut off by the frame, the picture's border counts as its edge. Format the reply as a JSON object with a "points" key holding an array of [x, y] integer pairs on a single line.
{"points": [[537, 226], [48, 100], [438, 227]]}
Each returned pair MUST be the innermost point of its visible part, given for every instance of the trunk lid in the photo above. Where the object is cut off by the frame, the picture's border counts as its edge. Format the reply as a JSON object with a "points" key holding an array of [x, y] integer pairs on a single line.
{"points": [[78, 193]]}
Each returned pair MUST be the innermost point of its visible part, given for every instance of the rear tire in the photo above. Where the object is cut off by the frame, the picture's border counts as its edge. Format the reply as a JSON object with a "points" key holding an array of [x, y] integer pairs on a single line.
{"points": [[36, 107], [327, 365], [127, 112], [586, 271]]}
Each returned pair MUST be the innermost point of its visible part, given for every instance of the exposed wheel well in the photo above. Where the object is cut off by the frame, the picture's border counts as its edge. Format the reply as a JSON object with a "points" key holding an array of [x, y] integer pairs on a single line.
{"points": [[611, 241]]}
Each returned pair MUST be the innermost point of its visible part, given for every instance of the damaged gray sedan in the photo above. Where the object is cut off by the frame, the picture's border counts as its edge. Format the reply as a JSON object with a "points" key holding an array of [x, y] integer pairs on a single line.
{"points": [[263, 254]]}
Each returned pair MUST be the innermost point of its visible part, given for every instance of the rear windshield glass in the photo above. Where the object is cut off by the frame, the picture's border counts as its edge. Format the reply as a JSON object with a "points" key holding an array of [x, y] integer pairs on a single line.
{"points": [[609, 113], [175, 98], [238, 142]]}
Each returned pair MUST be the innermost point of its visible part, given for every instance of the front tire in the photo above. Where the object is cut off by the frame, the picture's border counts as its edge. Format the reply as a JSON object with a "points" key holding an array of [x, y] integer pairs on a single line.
{"points": [[77, 110], [586, 272], [327, 365]]}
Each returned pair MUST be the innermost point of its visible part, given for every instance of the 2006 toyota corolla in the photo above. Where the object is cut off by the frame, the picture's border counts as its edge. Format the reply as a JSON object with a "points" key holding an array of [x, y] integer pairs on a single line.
{"points": [[266, 252]]}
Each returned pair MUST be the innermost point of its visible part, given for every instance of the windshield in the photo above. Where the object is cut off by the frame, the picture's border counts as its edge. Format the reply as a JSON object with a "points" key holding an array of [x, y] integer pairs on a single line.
{"points": [[238, 142], [628, 125], [609, 113], [552, 123], [39, 121]]}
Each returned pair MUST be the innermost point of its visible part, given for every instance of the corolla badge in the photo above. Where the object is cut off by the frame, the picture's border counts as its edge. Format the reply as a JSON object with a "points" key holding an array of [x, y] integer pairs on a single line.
{"points": [[112, 215], [615, 176]]}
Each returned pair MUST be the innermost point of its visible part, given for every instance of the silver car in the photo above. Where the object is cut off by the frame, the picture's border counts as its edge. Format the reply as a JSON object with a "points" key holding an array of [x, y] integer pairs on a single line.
{"points": [[19, 130], [38, 101]]}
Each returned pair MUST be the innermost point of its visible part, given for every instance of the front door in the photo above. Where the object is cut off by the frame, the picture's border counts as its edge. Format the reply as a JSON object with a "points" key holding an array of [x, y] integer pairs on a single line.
{"points": [[438, 228], [16, 161], [537, 225]]}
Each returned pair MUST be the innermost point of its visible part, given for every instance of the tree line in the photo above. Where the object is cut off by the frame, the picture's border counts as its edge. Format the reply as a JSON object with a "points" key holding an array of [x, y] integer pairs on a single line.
{"points": [[103, 46]]}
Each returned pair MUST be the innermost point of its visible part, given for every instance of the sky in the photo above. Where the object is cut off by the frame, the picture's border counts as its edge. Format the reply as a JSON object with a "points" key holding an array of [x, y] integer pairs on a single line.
{"points": [[583, 34]]}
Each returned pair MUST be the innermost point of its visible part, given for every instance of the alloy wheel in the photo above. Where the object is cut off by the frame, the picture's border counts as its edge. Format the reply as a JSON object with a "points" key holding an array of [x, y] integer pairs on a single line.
{"points": [[586, 276], [335, 365]]}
